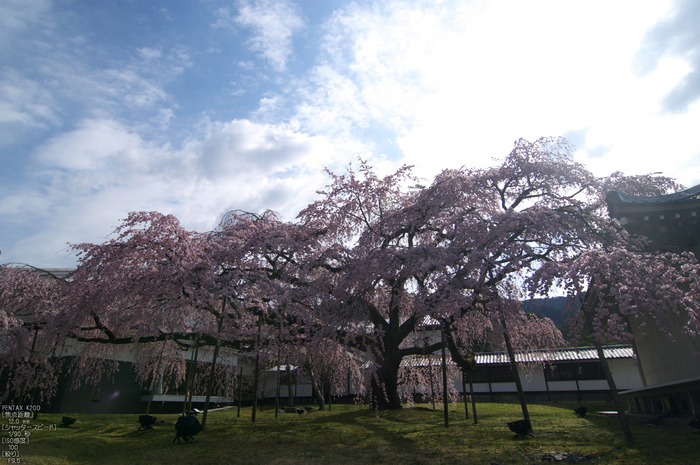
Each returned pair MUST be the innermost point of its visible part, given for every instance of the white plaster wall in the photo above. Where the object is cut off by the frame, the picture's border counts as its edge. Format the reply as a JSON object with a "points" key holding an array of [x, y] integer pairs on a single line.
{"points": [[562, 386], [594, 384], [625, 373], [662, 360], [533, 381]]}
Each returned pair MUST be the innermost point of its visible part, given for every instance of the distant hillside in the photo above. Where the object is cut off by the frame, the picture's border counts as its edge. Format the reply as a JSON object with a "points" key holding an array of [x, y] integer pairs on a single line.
{"points": [[552, 308]]}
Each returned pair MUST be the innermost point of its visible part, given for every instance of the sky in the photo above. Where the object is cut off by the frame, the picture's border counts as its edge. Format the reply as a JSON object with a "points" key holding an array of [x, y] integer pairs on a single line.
{"points": [[198, 107]]}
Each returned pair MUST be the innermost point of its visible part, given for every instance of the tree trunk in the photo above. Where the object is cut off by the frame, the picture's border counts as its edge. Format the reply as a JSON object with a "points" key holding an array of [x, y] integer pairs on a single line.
{"points": [[466, 399], [210, 384], [385, 382], [466, 363], [444, 382], [212, 373], [290, 386], [471, 394], [194, 376], [240, 391], [613, 391], [256, 379], [315, 389], [277, 388], [188, 382], [432, 386], [516, 374], [33, 397], [385, 394], [330, 397], [155, 380]]}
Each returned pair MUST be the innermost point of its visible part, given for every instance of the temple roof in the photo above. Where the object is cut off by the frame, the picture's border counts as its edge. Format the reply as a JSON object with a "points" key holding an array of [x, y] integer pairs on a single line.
{"points": [[615, 197], [531, 356], [671, 220]]}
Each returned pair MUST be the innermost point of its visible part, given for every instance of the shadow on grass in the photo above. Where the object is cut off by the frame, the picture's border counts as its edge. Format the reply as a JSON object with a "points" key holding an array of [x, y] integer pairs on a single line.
{"points": [[391, 434], [353, 435]]}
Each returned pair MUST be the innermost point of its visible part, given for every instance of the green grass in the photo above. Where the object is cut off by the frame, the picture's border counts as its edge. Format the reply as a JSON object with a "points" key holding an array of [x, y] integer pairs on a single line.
{"points": [[357, 435]]}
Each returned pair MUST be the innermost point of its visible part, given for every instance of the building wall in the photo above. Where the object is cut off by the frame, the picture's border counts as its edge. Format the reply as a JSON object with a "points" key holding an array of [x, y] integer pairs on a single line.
{"points": [[533, 381], [665, 361], [118, 393], [625, 374]]}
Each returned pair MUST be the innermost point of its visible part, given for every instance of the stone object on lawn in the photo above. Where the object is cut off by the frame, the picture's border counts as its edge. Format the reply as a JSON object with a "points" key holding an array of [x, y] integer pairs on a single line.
{"points": [[186, 428], [146, 422], [521, 428]]}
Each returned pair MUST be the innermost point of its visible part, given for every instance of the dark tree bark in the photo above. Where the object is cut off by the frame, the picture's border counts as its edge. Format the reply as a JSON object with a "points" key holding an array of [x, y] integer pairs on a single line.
{"points": [[186, 406], [257, 372], [516, 374], [212, 373], [316, 390], [240, 392], [385, 394], [290, 385], [444, 381], [155, 380], [277, 388]]}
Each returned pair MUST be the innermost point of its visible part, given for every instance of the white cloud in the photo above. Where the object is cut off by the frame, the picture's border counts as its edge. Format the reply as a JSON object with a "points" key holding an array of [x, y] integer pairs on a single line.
{"points": [[433, 83], [456, 83], [20, 16], [97, 145], [91, 177], [268, 106], [133, 87], [676, 35], [150, 53], [162, 120], [242, 147], [24, 100], [273, 22], [57, 75]]}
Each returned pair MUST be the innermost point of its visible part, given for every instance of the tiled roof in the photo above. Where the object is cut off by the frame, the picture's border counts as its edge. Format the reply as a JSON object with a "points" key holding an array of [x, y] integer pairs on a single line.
{"points": [[545, 355], [688, 194], [58, 272]]}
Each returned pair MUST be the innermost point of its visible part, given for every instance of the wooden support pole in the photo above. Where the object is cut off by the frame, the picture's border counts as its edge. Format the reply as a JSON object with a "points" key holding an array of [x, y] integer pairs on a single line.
{"points": [[240, 391], [257, 371], [466, 399], [444, 382], [588, 306]]}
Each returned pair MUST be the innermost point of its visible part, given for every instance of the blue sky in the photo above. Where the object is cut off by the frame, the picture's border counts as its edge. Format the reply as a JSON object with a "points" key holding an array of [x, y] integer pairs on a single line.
{"points": [[198, 107]]}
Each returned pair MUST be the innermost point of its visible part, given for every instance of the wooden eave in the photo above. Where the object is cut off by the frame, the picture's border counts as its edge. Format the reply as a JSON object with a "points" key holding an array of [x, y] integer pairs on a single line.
{"points": [[669, 220]]}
